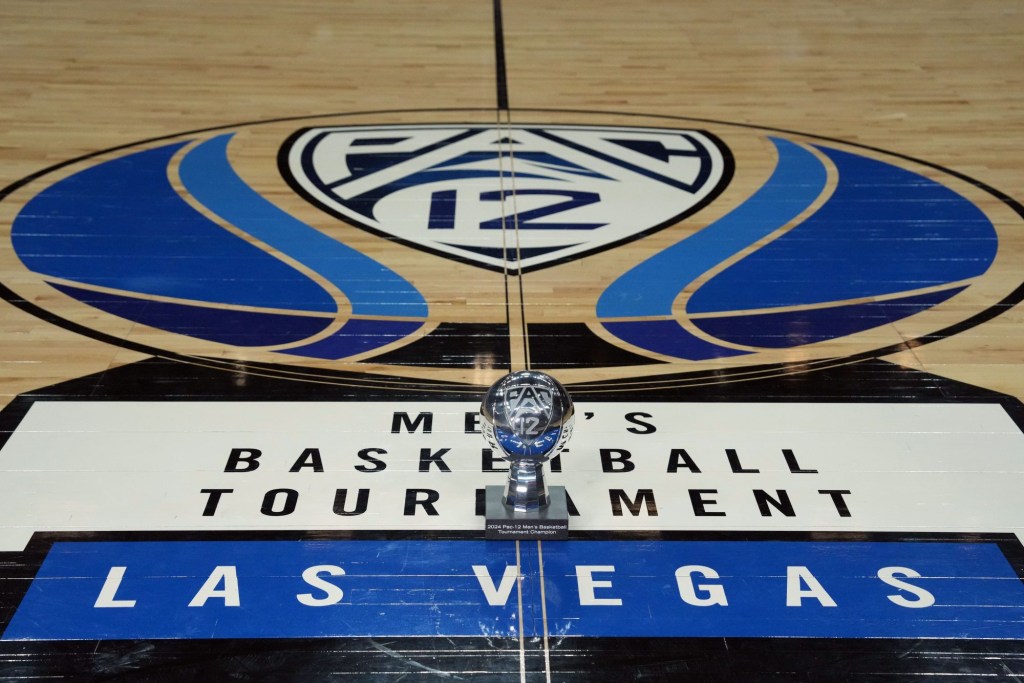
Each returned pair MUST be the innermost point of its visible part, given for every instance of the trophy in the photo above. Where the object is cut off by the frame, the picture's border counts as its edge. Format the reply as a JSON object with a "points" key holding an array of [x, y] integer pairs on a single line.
{"points": [[527, 419]]}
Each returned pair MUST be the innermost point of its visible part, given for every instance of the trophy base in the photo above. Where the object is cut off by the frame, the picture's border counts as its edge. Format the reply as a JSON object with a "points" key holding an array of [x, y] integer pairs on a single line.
{"points": [[550, 523]]}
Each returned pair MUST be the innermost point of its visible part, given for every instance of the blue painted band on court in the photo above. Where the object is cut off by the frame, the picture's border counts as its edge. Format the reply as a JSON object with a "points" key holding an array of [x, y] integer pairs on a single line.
{"points": [[351, 588]]}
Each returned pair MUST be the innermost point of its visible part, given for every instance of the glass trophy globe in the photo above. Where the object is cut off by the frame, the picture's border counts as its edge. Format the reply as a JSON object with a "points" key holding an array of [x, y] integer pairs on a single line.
{"points": [[527, 419]]}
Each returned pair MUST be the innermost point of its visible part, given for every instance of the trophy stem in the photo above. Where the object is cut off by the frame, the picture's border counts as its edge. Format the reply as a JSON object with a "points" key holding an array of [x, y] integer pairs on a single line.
{"points": [[526, 490]]}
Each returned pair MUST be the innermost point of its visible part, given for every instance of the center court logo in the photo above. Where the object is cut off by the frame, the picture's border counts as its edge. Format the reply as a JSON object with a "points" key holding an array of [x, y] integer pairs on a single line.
{"points": [[334, 241], [564, 191]]}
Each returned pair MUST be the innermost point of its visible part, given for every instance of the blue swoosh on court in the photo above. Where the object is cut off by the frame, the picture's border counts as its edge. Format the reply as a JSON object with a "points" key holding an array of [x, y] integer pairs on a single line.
{"points": [[371, 287], [121, 225], [650, 288], [884, 231]]}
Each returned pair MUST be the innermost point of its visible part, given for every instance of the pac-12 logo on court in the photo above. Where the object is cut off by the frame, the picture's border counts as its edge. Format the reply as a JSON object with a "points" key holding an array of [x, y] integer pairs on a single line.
{"points": [[561, 191], [326, 243]]}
